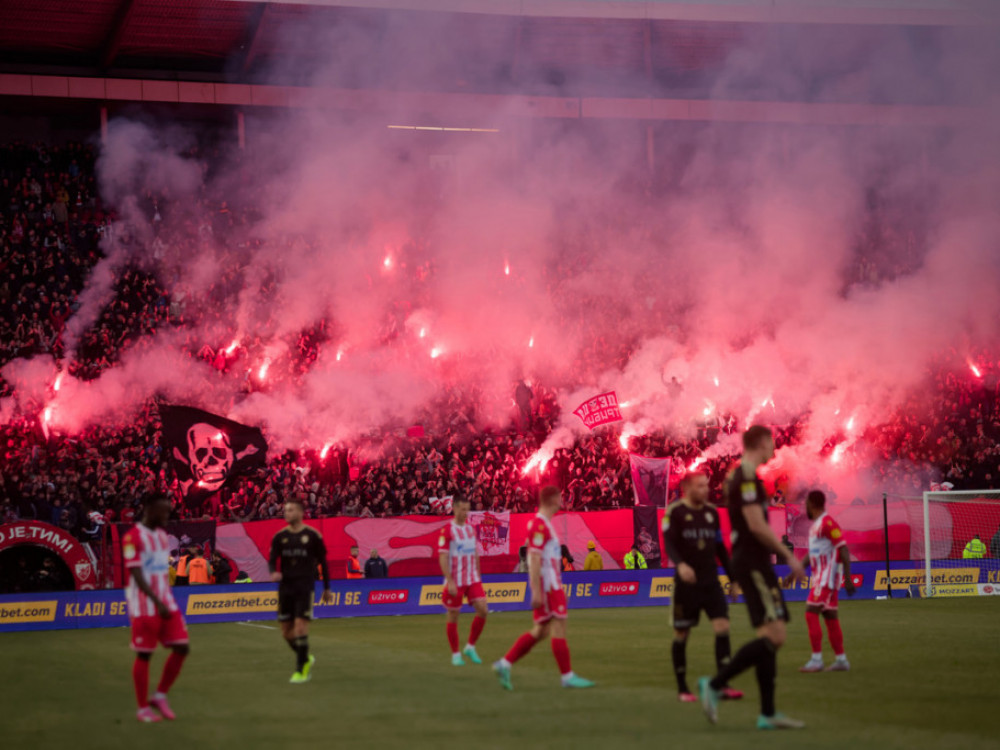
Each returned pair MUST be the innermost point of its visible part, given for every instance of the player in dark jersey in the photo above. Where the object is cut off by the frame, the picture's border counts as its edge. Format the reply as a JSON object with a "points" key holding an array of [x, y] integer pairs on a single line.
{"points": [[693, 540], [754, 541], [296, 553]]}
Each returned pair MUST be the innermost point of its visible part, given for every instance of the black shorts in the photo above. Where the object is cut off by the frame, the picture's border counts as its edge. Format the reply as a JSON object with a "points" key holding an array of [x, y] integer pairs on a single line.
{"points": [[763, 594], [295, 603], [690, 600]]}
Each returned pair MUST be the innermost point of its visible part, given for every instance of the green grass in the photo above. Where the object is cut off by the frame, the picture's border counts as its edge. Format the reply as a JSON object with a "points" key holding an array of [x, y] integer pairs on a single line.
{"points": [[925, 675]]}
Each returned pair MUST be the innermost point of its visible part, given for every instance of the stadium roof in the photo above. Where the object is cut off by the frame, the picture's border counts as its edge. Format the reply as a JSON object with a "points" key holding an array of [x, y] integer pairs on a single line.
{"points": [[239, 40]]}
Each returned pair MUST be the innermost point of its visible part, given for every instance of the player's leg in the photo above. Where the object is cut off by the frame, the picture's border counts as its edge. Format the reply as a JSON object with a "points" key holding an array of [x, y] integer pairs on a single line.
{"points": [[478, 623], [836, 635], [145, 631], [175, 637], [539, 631], [813, 608], [451, 630], [560, 648], [713, 601], [678, 657], [302, 614], [286, 617]]}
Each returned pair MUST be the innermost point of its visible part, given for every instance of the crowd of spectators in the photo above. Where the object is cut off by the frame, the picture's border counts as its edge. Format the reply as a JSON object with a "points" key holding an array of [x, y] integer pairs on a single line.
{"points": [[52, 223]]}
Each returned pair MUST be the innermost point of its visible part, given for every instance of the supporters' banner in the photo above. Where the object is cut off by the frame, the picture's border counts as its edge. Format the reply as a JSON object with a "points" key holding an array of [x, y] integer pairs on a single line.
{"points": [[647, 533], [441, 505], [492, 532], [422, 595], [77, 557], [599, 410], [208, 450], [650, 479]]}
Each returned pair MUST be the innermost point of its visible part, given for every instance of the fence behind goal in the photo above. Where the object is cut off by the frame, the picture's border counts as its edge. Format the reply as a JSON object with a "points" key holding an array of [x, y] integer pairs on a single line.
{"points": [[954, 528]]}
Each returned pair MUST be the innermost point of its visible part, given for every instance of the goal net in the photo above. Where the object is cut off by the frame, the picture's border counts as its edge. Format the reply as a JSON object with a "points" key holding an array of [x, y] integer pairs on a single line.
{"points": [[958, 536]]}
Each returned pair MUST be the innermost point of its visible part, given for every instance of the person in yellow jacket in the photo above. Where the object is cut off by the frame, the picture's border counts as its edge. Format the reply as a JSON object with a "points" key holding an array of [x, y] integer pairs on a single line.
{"points": [[635, 559], [975, 549], [354, 569], [593, 560], [199, 570]]}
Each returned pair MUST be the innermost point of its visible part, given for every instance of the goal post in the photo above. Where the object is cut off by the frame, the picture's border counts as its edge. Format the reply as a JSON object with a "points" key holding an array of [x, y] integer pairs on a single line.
{"points": [[960, 538]]}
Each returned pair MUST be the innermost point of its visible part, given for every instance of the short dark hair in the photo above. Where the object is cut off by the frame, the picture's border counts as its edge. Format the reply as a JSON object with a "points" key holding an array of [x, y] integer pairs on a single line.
{"points": [[756, 435], [153, 498], [547, 493], [816, 499], [460, 497], [689, 477], [295, 500]]}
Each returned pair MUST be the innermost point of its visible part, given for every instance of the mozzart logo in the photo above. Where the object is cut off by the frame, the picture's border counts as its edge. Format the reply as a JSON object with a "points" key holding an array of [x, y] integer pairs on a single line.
{"points": [[27, 612], [660, 588], [214, 604], [918, 577], [388, 597], [496, 593], [619, 588]]}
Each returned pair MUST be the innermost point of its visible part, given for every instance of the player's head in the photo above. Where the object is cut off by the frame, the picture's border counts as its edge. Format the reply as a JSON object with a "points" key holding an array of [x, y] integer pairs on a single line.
{"points": [[354, 550], [294, 510], [815, 504], [460, 505], [694, 486], [156, 510], [549, 499], [758, 444]]}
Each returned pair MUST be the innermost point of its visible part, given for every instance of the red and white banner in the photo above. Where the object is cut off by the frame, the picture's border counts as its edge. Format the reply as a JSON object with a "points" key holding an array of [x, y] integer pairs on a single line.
{"points": [[77, 557], [492, 532], [650, 479], [602, 409]]}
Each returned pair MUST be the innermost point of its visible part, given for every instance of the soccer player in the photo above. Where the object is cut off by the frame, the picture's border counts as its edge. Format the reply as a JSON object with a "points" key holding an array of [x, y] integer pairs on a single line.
{"points": [[301, 551], [830, 561], [152, 611], [459, 561], [754, 541], [548, 600], [692, 538]]}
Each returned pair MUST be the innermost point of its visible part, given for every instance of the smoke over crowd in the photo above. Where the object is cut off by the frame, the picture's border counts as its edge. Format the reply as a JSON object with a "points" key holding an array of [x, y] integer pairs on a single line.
{"points": [[746, 273]]}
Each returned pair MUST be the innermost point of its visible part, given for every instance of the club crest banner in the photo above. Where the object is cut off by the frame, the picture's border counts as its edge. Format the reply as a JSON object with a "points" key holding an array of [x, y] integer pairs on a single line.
{"points": [[492, 532]]}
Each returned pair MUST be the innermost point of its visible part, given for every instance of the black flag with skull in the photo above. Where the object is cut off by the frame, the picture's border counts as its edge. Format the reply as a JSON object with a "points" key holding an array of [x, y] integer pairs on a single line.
{"points": [[207, 450]]}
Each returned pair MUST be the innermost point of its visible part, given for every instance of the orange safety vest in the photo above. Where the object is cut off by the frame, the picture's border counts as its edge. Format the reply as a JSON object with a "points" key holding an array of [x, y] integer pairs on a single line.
{"points": [[182, 566], [198, 570], [354, 568]]}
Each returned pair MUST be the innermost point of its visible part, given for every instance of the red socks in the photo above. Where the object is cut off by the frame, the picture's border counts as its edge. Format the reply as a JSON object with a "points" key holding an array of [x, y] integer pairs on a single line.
{"points": [[452, 630], [140, 676], [170, 671], [521, 646], [561, 651], [478, 623], [815, 631], [836, 636]]}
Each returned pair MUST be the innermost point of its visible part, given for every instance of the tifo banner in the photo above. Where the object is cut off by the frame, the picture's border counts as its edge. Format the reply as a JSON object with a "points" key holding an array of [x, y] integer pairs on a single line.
{"points": [[77, 557], [208, 450], [650, 479], [601, 409], [492, 532], [647, 533], [407, 596]]}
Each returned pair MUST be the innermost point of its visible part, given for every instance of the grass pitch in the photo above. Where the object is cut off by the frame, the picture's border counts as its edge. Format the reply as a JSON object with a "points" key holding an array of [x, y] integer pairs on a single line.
{"points": [[925, 675]]}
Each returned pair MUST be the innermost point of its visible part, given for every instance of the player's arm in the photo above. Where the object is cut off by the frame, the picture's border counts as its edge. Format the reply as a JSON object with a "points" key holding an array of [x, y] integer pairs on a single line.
{"points": [[684, 571], [845, 559], [722, 554], [272, 562], [753, 513], [444, 562], [535, 576], [324, 570], [144, 587]]}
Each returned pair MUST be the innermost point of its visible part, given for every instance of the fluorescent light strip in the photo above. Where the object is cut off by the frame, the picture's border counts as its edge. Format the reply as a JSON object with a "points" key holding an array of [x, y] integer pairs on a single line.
{"points": [[446, 130]]}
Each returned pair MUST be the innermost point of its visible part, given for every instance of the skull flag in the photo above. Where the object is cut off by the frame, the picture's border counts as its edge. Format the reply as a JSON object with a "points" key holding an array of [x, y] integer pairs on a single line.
{"points": [[208, 450]]}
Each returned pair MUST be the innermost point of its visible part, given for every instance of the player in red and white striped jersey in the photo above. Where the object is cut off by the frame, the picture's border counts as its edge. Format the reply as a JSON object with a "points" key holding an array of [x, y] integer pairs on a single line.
{"points": [[831, 566], [154, 614], [459, 559], [548, 600]]}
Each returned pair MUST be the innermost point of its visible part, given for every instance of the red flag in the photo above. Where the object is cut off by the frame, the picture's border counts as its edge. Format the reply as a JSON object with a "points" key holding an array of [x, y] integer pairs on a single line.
{"points": [[601, 409]]}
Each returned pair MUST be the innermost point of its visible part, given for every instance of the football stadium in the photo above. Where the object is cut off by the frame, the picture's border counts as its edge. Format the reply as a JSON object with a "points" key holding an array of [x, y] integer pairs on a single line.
{"points": [[509, 373]]}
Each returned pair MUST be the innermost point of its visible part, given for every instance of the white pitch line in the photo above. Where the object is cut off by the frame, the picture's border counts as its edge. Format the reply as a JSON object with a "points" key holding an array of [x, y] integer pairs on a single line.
{"points": [[255, 625]]}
